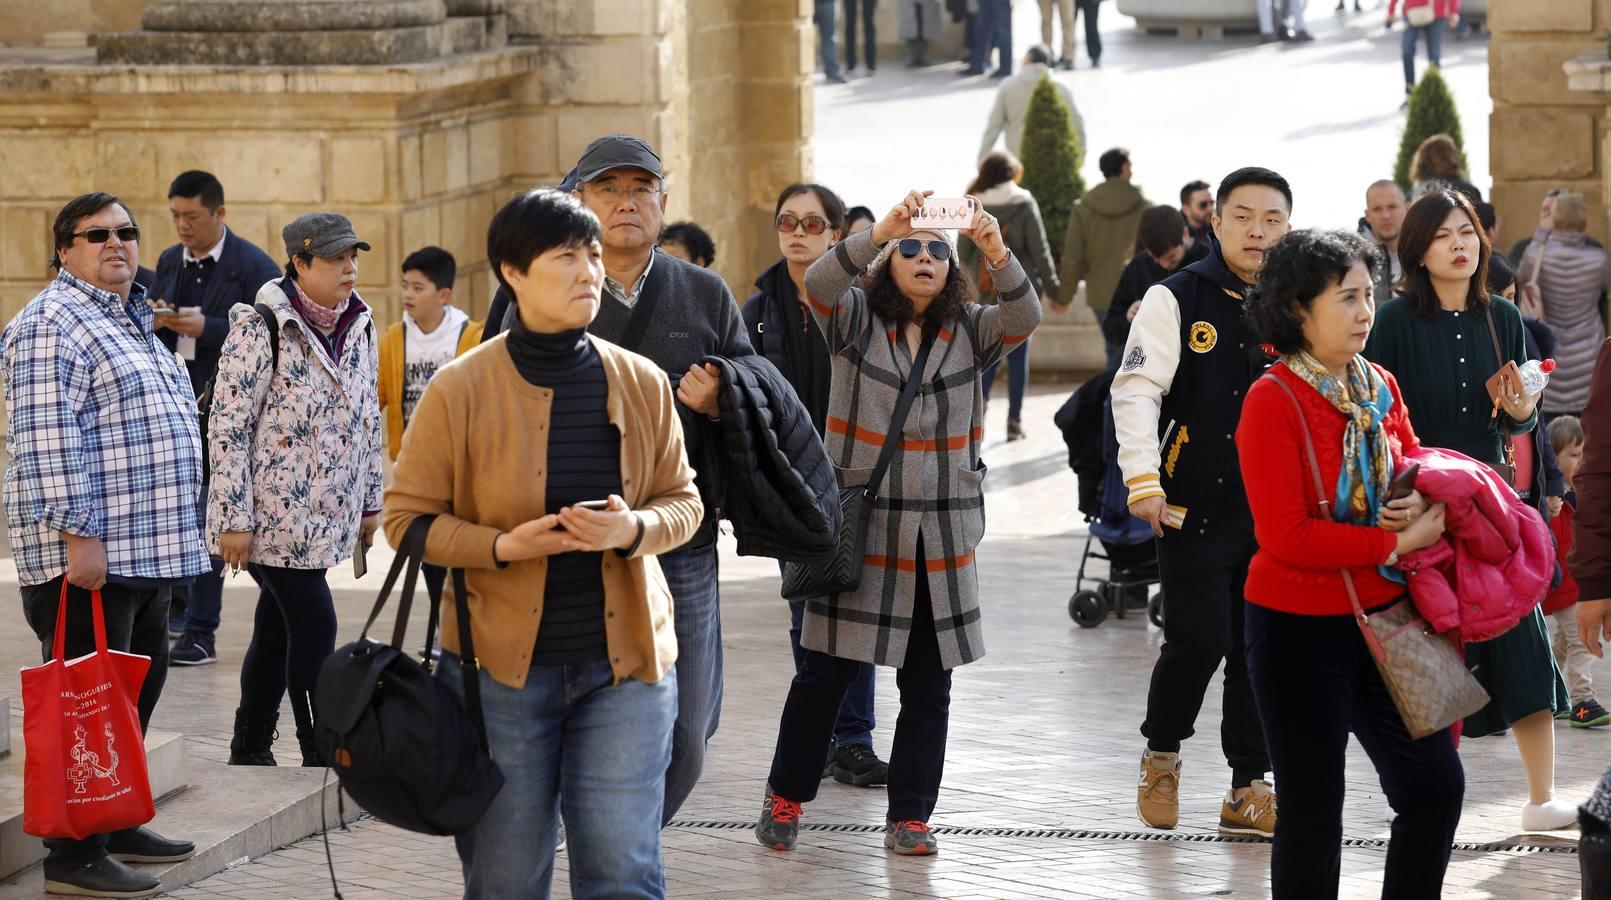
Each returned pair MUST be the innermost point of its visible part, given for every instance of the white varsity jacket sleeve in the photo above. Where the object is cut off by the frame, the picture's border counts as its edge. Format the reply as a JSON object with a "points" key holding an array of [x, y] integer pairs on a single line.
{"points": [[1145, 375]]}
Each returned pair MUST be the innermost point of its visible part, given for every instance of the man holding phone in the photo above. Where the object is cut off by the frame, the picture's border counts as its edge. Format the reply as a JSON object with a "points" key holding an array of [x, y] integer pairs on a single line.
{"points": [[197, 280]]}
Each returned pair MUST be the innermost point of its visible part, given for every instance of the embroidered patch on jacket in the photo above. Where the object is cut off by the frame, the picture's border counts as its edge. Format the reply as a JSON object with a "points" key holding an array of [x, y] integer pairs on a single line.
{"points": [[1181, 439], [1203, 337], [1135, 359]]}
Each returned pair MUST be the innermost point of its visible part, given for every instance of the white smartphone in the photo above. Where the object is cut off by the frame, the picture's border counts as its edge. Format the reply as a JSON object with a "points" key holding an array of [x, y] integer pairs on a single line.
{"points": [[945, 212]]}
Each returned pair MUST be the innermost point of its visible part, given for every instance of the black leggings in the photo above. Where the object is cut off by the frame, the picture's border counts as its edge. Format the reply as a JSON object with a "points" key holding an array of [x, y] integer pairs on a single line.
{"points": [[293, 633]]}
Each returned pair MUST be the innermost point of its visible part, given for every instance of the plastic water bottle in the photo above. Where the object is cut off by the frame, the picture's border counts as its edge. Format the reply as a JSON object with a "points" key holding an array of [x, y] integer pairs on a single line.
{"points": [[1535, 374]]}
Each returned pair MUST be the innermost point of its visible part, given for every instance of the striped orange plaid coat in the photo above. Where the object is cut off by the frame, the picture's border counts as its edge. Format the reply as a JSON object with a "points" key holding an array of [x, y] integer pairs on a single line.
{"points": [[935, 484]]}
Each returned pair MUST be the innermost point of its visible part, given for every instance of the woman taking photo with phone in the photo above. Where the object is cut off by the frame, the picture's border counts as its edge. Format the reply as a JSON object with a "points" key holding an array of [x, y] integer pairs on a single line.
{"points": [[1455, 350], [509, 450], [917, 604], [1312, 673], [294, 436]]}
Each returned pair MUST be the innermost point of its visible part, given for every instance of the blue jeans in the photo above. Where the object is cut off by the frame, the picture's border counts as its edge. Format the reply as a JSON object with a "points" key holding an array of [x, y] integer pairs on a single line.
{"points": [[571, 743], [1434, 47], [826, 15], [855, 722], [691, 575], [204, 601], [992, 29], [1017, 381]]}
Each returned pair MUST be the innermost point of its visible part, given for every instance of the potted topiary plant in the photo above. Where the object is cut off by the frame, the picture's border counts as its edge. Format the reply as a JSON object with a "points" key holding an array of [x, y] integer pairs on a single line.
{"points": [[1051, 154], [1432, 111]]}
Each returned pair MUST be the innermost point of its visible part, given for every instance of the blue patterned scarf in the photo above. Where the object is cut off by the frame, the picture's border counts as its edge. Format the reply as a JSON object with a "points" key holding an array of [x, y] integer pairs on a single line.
{"points": [[1367, 460]]}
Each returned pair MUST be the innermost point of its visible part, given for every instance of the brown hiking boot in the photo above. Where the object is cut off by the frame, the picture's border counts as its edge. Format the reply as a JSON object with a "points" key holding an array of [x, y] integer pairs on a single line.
{"points": [[1158, 794]]}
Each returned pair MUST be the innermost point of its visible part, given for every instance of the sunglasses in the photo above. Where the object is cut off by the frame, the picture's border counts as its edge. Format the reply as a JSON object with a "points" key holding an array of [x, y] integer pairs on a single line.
{"points": [[939, 251], [814, 224], [1205, 204], [126, 234]]}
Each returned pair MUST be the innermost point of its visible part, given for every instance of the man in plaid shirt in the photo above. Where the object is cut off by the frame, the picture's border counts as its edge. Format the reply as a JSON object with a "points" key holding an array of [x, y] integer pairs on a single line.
{"points": [[102, 488]]}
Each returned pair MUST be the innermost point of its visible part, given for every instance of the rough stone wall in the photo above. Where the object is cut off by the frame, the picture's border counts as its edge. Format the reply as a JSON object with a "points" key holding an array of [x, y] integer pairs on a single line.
{"points": [[1543, 135], [425, 154], [24, 22]]}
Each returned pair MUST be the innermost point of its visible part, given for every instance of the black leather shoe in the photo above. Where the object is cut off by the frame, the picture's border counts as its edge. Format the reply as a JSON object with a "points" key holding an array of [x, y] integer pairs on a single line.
{"points": [[100, 877], [142, 845]]}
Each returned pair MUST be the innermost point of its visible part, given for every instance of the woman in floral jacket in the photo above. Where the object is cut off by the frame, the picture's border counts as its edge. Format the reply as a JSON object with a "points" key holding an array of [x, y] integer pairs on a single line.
{"points": [[296, 482]]}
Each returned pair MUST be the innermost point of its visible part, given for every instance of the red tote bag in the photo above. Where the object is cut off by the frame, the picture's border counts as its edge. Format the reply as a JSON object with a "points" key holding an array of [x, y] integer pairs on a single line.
{"points": [[85, 769]]}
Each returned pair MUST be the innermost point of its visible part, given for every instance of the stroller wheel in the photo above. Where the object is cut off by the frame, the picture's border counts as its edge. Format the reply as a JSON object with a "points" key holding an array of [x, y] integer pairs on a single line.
{"points": [[1087, 609], [1155, 610]]}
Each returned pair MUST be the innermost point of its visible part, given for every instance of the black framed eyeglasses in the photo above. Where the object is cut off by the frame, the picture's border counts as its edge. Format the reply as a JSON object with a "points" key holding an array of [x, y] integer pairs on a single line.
{"points": [[814, 224], [126, 234], [939, 251]]}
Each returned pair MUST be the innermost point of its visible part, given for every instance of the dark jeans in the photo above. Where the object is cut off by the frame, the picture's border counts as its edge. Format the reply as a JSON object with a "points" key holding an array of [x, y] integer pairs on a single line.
{"points": [[1202, 580], [1017, 380], [204, 602], [855, 722], [293, 633], [1093, 38], [824, 14], [993, 29], [1315, 683], [136, 622], [917, 755], [1434, 47], [869, 18]]}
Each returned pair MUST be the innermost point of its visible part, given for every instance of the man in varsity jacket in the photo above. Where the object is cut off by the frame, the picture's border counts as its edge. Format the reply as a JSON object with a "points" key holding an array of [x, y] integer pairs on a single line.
{"points": [[1177, 398]]}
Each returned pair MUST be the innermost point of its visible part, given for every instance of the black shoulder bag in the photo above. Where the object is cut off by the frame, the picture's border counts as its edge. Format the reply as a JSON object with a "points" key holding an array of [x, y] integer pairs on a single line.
{"points": [[402, 744], [841, 573]]}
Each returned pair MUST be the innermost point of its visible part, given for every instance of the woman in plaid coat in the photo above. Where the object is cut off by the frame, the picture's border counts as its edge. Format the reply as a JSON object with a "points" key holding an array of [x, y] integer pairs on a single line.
{"points": [[917, 608]]}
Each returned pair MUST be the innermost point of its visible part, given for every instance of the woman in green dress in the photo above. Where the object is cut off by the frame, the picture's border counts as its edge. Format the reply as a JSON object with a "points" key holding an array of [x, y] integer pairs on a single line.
{"points": [[1437, 337]]}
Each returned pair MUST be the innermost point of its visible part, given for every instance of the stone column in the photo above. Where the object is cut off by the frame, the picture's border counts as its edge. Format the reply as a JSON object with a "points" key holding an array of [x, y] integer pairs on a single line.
{"points": [[1545, 133], [304, 32]]}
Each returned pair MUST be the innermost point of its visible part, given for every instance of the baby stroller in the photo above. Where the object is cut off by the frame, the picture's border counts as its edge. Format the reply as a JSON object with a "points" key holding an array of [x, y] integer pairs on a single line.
{"points": [[1127, 543]]}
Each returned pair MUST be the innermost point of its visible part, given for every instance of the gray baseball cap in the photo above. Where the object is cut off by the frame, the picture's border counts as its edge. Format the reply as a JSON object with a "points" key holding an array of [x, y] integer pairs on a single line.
{"points": [[614, 151], [324, 234]]}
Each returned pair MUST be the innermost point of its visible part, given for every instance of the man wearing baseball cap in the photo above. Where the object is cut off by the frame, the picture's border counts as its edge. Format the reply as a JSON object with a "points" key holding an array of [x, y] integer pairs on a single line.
{"points": [[675, 313]]}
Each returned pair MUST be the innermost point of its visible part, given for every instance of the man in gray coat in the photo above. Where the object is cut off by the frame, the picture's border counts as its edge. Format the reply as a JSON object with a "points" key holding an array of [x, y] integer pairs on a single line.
{"points": [[1012, 103]]}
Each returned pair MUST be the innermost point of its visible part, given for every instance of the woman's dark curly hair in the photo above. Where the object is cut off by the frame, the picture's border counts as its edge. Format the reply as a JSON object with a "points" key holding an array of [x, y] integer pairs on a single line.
{"points": [[1297, 269], [949, 305]]}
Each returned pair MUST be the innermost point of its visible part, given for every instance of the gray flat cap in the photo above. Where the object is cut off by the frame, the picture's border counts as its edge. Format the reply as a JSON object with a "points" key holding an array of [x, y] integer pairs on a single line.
{"points": [[615, 151], [324, 234]]}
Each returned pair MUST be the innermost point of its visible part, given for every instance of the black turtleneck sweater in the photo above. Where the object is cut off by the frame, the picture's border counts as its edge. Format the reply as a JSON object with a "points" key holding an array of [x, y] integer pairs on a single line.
{"points": [[584, 463]]}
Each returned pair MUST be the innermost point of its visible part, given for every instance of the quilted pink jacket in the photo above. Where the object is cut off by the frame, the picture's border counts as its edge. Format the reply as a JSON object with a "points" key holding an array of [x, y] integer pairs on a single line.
{"points": [[1495, 559]]}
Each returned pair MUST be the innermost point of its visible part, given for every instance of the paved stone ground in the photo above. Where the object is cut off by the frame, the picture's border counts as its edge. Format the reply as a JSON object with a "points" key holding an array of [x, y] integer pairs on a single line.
{"points": [[1043, 731]]}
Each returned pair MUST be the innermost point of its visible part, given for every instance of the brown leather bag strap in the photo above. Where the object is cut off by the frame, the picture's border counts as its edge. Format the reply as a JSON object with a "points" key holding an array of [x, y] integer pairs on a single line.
{"points": [[1499, 355], [1371, 640]]}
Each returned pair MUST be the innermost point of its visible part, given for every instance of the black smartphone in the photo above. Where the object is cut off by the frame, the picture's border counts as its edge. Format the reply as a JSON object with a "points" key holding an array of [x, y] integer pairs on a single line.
{"points": [[1403, 483]]}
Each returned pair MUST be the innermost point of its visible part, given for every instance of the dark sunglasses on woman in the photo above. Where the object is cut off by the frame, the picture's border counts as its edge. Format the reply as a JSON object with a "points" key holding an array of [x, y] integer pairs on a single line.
{"points": [[814, 224], [125, 234], [939, 251]]}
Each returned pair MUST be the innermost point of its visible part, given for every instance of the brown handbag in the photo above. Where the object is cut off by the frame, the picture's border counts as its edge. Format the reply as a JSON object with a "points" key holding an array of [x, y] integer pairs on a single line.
{"points": [[1424, 672]]}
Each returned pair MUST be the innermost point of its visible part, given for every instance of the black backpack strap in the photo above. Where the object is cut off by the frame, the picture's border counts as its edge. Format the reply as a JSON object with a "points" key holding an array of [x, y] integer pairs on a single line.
{"points": [[469, 665], [892, 438], [273, 325], [411, 554]]}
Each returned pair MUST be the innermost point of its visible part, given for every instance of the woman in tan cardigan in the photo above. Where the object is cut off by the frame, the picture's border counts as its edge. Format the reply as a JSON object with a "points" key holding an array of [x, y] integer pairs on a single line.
{"points": [[571, 614]]}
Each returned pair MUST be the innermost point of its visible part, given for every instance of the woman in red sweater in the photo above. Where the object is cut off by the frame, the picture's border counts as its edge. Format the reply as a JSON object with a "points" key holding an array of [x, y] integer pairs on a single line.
{"points": [[1312, 676]]}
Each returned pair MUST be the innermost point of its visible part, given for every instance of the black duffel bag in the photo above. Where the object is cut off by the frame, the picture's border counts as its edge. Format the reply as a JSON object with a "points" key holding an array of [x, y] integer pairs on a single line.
{"points": [[403, 744]]}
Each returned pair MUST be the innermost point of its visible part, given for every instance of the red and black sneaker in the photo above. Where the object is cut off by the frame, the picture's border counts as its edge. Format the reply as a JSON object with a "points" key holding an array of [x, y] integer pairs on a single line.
{"points": [[910, 838], [779, 826]]}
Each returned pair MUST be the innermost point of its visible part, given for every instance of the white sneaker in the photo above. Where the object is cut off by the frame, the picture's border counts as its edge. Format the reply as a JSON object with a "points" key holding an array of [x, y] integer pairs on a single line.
{"points": [[1554, 815]]}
